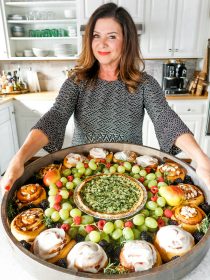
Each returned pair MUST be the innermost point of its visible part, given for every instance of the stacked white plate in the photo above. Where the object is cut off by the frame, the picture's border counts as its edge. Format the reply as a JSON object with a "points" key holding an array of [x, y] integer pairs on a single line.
{"points": [[63, 50]]}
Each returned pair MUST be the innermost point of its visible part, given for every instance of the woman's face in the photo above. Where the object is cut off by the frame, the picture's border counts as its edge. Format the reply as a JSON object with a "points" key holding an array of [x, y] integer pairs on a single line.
{"points": [[107, 42]]}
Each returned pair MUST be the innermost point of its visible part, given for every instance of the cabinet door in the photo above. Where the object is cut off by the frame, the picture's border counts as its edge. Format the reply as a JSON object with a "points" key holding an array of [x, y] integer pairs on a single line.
{"points": [[8, 136], [87, 7], [3, 47], [188, 32], [157, 39]]}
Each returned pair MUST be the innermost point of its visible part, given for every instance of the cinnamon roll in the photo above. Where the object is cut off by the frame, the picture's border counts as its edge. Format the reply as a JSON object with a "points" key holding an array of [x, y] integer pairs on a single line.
{"points": [[147, 161], [172, 171], [188, 216], [87, 256], [30, 194], [28, 224], [139, 255], [72, 159], [124, 156], [173, 241], [52, 244], [100, 154], [45, 169], [193, 195]]}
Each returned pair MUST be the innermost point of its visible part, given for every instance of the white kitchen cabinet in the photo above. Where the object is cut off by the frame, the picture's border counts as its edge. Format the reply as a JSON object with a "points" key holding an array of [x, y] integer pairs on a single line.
{"points": [[8, 135], [134, 7], [192, 112], [175, 28], [3, 46], [28, 112], [46, 24]]}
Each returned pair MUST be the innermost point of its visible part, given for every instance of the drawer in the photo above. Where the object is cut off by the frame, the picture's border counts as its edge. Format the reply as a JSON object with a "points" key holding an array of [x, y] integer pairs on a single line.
{"points": [[4, 115], [189, 109]]}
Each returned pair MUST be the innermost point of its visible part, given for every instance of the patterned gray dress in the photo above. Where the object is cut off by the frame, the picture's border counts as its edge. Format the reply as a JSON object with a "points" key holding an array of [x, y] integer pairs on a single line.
{"points": [[109, 113]]}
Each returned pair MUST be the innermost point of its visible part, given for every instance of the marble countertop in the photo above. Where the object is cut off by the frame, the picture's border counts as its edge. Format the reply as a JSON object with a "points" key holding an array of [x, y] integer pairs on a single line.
{"points": [[11, 268]]}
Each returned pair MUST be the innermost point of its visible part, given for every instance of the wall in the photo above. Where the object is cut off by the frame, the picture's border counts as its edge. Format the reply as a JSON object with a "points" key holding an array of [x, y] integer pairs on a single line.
{"points": [[51, 74]]}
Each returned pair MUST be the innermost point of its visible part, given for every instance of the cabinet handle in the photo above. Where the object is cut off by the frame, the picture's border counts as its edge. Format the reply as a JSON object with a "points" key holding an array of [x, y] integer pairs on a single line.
{"points": [[189, 110], [176, 50], [170, 50]]}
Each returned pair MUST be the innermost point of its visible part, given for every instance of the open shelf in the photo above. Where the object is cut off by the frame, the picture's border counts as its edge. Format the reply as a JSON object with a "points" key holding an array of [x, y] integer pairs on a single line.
{"points": [[40, 38], [43, 21], [39, 3]]}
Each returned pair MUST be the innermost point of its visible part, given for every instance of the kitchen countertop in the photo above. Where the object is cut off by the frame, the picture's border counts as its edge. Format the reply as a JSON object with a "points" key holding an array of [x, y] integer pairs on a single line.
{"points": [[51, 95]]}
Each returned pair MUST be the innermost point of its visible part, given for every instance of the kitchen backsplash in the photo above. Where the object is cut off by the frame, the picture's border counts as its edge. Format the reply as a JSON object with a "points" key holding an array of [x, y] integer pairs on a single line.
{"points": [[51, 74]]}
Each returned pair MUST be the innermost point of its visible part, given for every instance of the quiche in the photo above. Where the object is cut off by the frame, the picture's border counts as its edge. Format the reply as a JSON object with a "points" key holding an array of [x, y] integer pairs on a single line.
{"points": [[110, 196]]}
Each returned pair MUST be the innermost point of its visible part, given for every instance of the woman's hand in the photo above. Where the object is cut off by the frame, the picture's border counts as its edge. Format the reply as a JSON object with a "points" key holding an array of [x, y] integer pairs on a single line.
{"points": [[203, 171], [13, 172]]}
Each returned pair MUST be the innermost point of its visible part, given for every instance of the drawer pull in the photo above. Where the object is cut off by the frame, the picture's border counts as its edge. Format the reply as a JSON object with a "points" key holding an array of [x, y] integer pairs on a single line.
{"points": [[189, 110]]}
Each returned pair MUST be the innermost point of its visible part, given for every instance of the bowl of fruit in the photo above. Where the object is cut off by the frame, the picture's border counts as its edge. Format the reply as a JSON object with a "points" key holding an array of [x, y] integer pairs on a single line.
{"points": [[108, 211]]}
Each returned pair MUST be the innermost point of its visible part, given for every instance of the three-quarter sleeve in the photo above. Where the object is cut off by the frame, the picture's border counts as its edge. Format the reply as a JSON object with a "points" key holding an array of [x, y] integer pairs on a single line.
{"points": [[54, 122], [168, 125]]}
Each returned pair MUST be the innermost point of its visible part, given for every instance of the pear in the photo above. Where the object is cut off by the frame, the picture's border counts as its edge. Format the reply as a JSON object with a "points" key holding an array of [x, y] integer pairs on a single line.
{"points": [[173, 195]]}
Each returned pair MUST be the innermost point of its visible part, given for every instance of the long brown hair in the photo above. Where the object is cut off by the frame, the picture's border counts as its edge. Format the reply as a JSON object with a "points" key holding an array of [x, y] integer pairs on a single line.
{"points": [[131, 64]]}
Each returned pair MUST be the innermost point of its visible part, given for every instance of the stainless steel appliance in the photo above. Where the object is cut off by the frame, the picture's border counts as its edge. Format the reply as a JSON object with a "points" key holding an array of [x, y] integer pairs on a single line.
{"points": [[174, 79]]}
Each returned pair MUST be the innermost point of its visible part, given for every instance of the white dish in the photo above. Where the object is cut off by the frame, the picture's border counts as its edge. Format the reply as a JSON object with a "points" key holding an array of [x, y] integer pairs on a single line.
{"points": [[40, 52]]}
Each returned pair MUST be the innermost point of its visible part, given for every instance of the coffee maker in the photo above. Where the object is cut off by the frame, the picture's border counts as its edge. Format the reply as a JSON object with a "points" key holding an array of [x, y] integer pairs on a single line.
{"points": [[174, 77]]}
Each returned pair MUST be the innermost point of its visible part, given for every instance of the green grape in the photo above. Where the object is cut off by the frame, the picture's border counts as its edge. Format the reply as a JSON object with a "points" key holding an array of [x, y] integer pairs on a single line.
{"points": [[145, 183], [152, 183], [145, 212], [161, 201], [73, 232], [136, 233], [158, 211], [127, 165], [77, 175], [55, 216], [119, 224], [75, 212], [66, 172], [162, 184], [108, 227], [149, 195], [82, 231], [151, 223], [143, 228], [52, 186], [135, 169], [152, 230], [77, 181], [74, 170], [86, 220], [106, 171], [63, 180], [64, 214], [48, 212], [81, 170], [151, 176], [105, 236], [94, 236], [88, 171], [80, 165], [67, 206], [51, 199], [116, 165], [128, 233], [151, 205], [138, 219], [87, 237], [64, 194], [70, 185], [68, 221], [136, 176], [53, 192], [92, 164], [143, 173], [117, 233], [112, 169], [158, 174], [121, 169]]}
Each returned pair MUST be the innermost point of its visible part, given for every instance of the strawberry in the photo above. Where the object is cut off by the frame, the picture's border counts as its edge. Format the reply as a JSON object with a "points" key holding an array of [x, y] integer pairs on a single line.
{"points": [[108, 165], [141, 179], [154, 198], [101, 224], [148, 169], [71, 193], [77, 220], [160, 179], [58, 198], [129, 224], [161, 222], [65, 227], [57, 206], [59, 184], [154, 189], [89, 228], [102, 160], [86, 165], [168, 213], [70, 178]]}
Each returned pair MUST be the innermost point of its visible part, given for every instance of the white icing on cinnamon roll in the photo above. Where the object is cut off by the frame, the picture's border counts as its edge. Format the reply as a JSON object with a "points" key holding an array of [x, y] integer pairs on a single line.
{"points": [[125, 156], [138, 255], [73, 159], [145, 161], [174, 239], [98, 153], [49, 243], [87, 256]]}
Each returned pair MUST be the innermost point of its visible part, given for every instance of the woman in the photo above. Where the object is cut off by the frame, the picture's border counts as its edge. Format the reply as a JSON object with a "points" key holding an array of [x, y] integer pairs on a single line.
{"points": [[108, 92]]}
